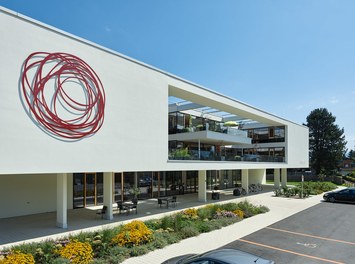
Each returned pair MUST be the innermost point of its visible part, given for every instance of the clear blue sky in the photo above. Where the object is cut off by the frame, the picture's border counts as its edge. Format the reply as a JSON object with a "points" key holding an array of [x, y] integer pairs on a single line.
{"points": [[285, 57]]}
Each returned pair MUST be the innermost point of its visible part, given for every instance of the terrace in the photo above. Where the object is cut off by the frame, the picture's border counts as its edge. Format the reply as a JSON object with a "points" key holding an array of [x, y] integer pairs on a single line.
{"points": [[197, 132]]}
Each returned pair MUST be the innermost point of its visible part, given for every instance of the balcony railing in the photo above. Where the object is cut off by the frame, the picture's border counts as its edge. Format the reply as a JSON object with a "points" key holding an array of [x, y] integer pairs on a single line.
{"points": [[185, 154], [225, 130]]}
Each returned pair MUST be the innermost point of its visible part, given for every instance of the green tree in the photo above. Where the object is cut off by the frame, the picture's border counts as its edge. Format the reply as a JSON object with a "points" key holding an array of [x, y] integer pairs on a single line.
{"points": [[326, 141], [351, 154]]}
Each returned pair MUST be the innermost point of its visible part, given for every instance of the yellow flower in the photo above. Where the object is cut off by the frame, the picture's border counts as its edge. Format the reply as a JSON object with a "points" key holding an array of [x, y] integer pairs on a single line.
{"points": [[77, 252], [133, 234], [18, 258], [239, 213]]}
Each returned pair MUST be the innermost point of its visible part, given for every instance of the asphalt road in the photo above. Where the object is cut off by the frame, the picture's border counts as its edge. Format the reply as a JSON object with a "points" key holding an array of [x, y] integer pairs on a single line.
{"points": [[324, 233]]}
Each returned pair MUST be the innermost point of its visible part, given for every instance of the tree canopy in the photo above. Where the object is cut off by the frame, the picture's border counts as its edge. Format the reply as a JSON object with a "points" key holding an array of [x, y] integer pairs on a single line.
{"points": [[326, 141]]}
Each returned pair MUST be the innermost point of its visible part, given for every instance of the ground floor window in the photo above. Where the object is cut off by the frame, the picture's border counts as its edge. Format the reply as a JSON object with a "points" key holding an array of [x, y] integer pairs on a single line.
{"points": [[87, 189], [223, 179]]}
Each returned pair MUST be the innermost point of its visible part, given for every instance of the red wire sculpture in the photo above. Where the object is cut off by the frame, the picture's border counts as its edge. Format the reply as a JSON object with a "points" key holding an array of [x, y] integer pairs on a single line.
{"points": [[43, 78]]}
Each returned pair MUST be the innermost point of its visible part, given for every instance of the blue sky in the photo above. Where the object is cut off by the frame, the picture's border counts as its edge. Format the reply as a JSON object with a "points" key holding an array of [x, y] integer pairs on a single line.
{"points": [[285, 57]]}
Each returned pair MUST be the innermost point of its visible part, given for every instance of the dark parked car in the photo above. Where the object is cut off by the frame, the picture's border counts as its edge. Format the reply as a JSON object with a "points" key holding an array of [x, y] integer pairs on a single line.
{"points": [[344, 195], [219, 256]]}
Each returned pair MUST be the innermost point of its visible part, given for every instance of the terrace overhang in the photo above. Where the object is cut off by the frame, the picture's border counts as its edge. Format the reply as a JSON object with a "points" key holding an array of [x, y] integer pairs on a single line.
{"points": [[211, 137]]}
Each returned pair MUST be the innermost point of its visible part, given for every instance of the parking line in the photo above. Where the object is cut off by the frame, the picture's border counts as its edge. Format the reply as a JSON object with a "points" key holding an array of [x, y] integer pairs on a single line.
{"points": [[307, 235], [289, 251]]}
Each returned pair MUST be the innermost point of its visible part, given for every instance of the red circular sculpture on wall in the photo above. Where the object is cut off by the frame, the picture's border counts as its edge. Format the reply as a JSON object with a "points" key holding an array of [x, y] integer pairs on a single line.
{"points": [[63, 94]]}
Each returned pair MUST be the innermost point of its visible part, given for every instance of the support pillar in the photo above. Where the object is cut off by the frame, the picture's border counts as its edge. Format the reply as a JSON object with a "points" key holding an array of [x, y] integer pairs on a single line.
{"points": [[202, 194], [245, 180], [108, 196], [183, 177], [276, 178], [135, 179], [62, 200], [283, 177]]}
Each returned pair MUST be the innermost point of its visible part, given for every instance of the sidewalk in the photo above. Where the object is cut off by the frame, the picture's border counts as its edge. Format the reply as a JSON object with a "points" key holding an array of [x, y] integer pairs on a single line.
{"points": [[280, 208]]}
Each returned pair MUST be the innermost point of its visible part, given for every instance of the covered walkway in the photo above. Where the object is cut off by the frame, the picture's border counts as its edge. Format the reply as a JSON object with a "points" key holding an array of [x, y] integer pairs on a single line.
{"points": [[42, 226]]}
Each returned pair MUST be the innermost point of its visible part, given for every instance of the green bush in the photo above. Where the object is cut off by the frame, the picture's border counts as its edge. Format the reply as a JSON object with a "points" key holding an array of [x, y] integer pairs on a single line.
{"points": [[160, 240], [189, 231], [139, 250]]}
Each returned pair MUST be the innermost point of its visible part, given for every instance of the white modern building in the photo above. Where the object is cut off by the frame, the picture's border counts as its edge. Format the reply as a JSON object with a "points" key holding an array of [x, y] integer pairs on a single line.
{"points": [[83, 125]]}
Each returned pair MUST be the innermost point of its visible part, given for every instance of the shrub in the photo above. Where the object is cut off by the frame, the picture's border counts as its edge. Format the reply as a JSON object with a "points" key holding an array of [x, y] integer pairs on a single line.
{"points": [[188, 231], [139, 250], [160, 240], [229, 207], [167, 221], [204, 213], [17, 257], [77, 252], [205, 226], [153, 224], [180, 221], [133, 234]]}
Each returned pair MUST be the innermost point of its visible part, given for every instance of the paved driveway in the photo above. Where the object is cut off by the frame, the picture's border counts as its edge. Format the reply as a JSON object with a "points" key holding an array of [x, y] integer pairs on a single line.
{"points": [[324, 233]]}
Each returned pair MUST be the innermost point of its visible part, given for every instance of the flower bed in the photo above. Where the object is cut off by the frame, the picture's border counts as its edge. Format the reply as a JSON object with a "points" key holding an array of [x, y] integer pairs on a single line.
{"points": [[133, 239], [309, 188]]}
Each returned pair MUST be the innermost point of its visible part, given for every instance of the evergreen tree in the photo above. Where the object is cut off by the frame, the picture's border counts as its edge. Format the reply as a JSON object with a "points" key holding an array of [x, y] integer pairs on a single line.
{"points": [[326, 141], [351, 155]]}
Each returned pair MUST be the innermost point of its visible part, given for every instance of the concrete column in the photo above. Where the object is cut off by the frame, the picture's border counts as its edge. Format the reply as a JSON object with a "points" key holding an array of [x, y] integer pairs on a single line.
{"points": [[202, 194], [135, 179], [283, 177], [62, 200], [277, 178], [183, 177], [263, 179], [245, 180], [108, 197]]}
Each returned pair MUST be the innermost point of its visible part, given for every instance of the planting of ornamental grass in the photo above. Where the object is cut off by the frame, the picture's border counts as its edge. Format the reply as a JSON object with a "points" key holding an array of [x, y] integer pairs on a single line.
{"points": [[136, 238]]}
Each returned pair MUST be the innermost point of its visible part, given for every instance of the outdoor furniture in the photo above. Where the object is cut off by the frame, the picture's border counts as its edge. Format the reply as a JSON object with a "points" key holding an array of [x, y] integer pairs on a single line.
{"points": [[127, 206], [167, 201], [102, 211], [173, 201]]}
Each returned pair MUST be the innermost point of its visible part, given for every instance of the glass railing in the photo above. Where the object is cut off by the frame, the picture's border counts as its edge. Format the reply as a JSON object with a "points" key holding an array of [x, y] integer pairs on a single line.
{"points": [[225, 130], [185, 154]]}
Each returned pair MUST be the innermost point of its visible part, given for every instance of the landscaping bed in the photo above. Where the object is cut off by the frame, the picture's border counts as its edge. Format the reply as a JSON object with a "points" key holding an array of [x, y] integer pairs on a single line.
{"points": [[136, 238], [308, 188]]}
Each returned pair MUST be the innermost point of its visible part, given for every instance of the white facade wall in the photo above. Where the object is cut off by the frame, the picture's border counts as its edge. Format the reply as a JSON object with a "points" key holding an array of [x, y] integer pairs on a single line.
{"points": [[30, 194], [134, 135]]}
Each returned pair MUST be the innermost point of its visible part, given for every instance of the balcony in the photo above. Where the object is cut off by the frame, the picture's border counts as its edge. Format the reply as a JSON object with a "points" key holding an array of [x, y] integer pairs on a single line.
{"points": [[202, 134], [186, 154]]}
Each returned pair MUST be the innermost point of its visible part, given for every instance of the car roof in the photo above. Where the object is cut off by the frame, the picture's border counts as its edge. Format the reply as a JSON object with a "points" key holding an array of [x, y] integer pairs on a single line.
{"points": [[230, 256]]}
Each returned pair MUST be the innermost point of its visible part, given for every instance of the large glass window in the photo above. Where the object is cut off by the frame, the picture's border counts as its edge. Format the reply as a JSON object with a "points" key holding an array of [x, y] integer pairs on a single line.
{"points": [[191, 182], [128, 185], [87, 189], [145, 184]]}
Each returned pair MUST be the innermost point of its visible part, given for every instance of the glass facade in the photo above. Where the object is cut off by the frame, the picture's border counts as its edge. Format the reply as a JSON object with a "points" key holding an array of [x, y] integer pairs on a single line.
{"points": [[193, 150], [87, 189]]}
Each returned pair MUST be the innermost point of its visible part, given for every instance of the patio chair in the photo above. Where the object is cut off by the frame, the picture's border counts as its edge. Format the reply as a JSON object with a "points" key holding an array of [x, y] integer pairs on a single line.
{"points": [[102, 211], [135, 205], [160, 202], [174, 201]]}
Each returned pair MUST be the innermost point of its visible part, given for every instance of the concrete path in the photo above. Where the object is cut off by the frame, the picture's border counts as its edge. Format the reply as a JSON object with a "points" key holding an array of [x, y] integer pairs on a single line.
{"points": [[280, 208]]}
